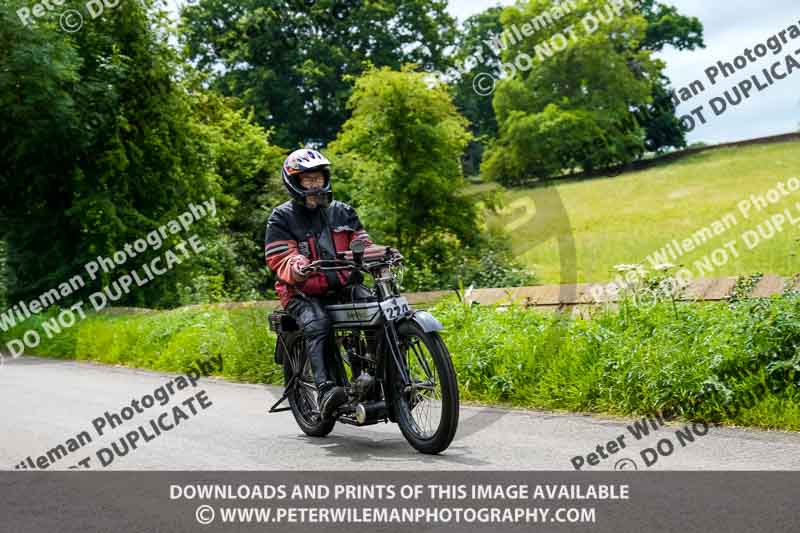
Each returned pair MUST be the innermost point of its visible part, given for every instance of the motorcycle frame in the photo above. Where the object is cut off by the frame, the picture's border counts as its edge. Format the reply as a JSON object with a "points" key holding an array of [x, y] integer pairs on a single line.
{"points": [[388, 350]]}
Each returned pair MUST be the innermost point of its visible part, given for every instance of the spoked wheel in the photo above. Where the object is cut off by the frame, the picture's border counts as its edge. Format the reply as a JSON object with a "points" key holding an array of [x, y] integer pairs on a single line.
{"points": [[303, 396], [427, 411]]}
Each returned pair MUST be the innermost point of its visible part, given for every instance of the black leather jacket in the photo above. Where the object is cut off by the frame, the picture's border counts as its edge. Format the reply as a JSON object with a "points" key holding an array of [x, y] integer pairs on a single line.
{"points": [[297, 235]]}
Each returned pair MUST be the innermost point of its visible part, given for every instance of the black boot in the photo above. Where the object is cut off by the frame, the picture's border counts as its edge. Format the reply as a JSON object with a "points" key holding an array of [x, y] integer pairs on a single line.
{"points": [[329, 398], [315, 323]]}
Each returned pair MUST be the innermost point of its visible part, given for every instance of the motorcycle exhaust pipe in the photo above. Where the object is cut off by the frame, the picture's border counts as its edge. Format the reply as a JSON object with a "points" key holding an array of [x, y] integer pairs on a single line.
{"points": [[367, 412]]}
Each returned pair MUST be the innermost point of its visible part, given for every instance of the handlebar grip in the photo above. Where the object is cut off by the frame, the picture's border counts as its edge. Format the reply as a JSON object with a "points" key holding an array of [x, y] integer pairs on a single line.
{"points": [[304, 272]]}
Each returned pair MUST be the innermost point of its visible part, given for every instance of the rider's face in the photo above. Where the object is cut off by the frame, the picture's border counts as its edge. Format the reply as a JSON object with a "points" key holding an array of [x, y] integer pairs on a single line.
{"points": [[312, 180]]}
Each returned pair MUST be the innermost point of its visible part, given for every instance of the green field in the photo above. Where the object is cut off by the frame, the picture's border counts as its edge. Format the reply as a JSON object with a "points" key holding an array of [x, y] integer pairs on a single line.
{"points": [[624, 219]]}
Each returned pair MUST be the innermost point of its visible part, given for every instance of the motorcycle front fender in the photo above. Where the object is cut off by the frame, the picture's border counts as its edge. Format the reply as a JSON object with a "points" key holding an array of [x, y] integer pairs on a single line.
{"points": [[426, 321]]}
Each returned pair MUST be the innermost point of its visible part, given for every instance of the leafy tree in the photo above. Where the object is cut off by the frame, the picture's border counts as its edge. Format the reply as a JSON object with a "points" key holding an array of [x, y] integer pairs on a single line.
{"points": [[548, 142], [589, 86], [472, 43], [405, 139], [3, 278], [292, 60], [659, 120], [399, 159], [666, 27], [105, 137], [38, 116], [474, 59], [249, 169], [638, 121]]}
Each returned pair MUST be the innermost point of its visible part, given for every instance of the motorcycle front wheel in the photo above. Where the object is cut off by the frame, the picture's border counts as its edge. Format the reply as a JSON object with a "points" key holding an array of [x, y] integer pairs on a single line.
{"points": [[426, 411]]}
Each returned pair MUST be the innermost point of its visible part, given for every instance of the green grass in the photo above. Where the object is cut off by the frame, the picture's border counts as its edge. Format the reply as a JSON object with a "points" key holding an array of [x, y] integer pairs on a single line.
{"points": [[168, 341], [735, 363], [626, 218]]}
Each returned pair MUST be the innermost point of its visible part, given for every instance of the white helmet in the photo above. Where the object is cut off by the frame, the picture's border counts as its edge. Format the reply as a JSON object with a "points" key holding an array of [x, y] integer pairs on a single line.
{"points": [[307, 160]]}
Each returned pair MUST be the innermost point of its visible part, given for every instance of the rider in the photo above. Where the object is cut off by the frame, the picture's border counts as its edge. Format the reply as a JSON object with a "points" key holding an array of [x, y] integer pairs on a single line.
{"points": [[309, 227]]}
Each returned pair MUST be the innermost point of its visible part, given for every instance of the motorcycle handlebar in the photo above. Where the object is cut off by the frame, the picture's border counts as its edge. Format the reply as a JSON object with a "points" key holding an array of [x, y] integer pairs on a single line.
{"points": [[328, 264], [391, 257]]}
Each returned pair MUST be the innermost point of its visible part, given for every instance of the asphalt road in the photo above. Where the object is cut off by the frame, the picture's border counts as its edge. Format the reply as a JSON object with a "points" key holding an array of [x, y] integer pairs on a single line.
{"points": [[45, 403]]}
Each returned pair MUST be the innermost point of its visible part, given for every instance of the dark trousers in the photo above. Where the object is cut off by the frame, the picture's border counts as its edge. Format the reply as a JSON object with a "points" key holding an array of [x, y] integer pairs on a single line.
{"points": [[310, 315]]}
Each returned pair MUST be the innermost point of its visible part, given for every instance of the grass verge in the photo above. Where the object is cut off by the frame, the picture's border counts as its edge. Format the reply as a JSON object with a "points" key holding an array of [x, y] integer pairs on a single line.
{"points": [[735, 364]]}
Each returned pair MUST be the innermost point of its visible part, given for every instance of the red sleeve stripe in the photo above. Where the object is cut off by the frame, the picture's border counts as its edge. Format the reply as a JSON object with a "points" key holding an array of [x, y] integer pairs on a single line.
{"points": [[281, 262]]}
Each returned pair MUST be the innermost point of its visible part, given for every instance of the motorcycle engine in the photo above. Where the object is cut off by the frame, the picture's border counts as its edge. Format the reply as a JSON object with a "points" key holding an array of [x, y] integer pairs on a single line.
{"points": [[362, 386]]}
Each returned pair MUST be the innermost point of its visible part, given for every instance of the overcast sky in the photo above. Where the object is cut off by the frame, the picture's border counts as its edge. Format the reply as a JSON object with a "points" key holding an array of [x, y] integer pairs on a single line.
{"points": [[730, 27]]}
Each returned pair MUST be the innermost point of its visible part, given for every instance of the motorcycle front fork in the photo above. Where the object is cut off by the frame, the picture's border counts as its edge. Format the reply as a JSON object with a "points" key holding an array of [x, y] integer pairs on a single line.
{"points": [[393, 341]]}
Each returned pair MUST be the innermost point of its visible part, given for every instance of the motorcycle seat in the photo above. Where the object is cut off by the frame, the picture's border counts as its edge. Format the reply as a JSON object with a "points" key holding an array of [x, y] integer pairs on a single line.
{"points": [[280, 321]]}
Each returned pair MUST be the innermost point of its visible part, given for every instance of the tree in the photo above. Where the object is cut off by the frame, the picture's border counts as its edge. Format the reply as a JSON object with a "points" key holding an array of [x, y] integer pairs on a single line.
{"points": [[292, 61], [548, 142], [594, 81], [3, 278], [474, 60], [400, 154], [249, 169], [668, 27], [398, 160], [404, 141], [105, 137], [38, 119], [476, 32], [665, 27]]}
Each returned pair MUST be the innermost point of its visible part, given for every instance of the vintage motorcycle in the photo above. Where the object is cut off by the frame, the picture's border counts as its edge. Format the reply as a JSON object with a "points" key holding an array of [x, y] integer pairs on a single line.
{"points": [[389, 358]]}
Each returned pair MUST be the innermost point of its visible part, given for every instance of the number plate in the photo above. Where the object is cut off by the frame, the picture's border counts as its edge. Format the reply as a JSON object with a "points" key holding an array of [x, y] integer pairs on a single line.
{"points": [[395, 308]]}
